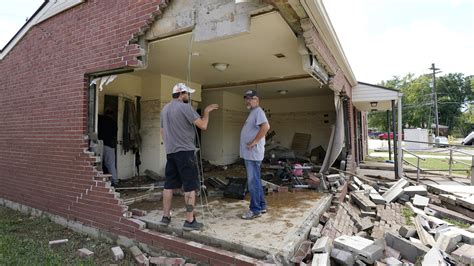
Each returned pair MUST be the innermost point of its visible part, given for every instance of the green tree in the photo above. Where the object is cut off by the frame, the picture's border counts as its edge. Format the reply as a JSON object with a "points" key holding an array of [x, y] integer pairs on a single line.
{"points": [[455, 92]]}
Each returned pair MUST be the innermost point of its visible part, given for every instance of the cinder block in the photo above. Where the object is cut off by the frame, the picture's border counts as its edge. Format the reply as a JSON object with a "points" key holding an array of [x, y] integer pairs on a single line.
{"points": [[342, 257], [84, 253], [117, 253], [321, 259], [322, 245]]}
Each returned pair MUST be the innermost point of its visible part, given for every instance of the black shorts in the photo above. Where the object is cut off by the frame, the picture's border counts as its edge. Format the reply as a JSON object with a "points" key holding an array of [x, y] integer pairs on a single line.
{"points": [[181, 171]]}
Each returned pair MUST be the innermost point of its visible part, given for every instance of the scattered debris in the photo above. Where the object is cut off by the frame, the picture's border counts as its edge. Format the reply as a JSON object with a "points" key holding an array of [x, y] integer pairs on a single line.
{"points": [[153, 175], [84, 253], [57, 243], [380, 230], [117, 253]]}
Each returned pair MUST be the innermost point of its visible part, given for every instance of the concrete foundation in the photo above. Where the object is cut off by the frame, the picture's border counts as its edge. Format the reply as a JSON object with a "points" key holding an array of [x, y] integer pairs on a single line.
{"points": [[277, 234]]}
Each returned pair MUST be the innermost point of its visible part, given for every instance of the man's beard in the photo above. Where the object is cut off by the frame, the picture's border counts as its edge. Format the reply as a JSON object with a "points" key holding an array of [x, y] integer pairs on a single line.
{"points": [[185, 101]]}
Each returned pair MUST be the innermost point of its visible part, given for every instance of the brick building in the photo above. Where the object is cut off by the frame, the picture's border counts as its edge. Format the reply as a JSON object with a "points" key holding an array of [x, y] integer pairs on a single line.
{"points": [[54, 76]]}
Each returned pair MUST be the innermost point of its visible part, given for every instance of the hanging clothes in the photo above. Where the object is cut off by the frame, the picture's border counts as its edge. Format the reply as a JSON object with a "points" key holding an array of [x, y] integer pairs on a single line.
{"points": [[131, 136]]}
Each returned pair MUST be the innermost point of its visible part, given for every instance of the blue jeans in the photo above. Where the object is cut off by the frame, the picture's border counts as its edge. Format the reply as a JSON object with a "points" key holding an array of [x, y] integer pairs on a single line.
{"points": [[254, 184]]}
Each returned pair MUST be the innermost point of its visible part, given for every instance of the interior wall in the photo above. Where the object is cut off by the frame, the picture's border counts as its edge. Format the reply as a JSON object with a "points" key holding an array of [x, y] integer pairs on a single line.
{"points": [[125, 86], [212, 138], [311, 115]]}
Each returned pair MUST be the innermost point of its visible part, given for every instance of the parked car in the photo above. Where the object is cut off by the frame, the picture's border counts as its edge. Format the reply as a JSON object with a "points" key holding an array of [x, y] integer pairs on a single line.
{"points": [[441, 141], [469, 139], [385, 135]]}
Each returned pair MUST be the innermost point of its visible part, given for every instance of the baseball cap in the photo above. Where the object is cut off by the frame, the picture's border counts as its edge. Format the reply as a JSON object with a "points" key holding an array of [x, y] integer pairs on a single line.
{"points": [[181, 87], [250, 93]]}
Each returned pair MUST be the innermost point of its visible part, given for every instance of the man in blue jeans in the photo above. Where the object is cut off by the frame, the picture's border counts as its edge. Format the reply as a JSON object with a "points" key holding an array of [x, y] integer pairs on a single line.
{"points": [[252, 149]]}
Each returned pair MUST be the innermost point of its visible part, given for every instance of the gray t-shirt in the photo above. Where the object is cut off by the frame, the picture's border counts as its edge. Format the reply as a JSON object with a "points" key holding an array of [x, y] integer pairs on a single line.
{"points": [[248, 133], [177, 119]]}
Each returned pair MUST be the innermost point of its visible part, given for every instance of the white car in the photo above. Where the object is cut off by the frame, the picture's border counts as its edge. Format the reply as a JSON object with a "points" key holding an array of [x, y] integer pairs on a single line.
{"points": [[441, 141], [469, 139]]}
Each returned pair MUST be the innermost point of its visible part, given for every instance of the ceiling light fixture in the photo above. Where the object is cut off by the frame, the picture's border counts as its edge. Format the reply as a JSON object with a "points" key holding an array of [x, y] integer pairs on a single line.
{"points": [[373, 104], [220, 66], [282, 92]]}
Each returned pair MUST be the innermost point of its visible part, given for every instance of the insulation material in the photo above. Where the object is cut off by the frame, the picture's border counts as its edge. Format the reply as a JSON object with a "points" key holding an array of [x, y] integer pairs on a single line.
{"points": [[336, 142]]}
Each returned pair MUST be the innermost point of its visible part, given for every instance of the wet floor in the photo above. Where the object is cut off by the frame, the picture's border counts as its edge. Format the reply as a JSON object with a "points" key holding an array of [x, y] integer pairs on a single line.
{"points": [[224, 227]]}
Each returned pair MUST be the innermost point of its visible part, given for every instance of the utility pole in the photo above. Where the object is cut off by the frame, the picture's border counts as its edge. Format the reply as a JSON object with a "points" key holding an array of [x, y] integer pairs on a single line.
{"points": [[435, 98]]}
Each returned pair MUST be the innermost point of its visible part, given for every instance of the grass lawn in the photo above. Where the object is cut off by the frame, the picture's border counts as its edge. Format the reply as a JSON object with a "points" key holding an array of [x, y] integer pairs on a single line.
{"points": [[24, 241], [429, 163]]}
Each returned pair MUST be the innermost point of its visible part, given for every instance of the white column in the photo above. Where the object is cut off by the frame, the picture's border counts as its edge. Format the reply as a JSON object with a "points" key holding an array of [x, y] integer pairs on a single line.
{"points": [[399, 147]]}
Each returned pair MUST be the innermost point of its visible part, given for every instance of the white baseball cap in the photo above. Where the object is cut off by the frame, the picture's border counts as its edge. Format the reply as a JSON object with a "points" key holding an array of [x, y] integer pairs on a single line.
{"points": [[181, 87]]}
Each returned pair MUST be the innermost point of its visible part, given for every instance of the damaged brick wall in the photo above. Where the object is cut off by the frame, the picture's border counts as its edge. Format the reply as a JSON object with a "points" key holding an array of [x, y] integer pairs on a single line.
{"points": [[338, 81], [43, 109]]}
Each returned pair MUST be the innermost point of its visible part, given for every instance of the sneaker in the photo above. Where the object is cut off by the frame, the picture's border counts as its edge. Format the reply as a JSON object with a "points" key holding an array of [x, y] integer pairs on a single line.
{"points": [[263, 211], [250, 215], [165, 221], [195, 225]]}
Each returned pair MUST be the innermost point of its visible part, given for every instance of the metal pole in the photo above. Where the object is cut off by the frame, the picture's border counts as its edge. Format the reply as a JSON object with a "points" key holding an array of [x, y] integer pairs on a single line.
{"points": [[450, 162], [388, 138], [435, 98], [472, 171], [395, 151], [400, 123], [418, 170]]}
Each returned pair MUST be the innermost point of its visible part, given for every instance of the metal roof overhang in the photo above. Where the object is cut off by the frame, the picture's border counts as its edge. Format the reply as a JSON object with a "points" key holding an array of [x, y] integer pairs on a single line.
{"points": [[369, 97]]}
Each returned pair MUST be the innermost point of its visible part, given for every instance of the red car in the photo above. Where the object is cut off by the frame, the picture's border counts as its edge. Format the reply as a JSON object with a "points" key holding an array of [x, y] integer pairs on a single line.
{"points": [[385, 135]]}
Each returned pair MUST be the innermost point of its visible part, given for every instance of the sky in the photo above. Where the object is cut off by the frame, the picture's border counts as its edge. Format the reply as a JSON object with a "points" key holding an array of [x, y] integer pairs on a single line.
{"points": [[380, 38], [386, 38]]}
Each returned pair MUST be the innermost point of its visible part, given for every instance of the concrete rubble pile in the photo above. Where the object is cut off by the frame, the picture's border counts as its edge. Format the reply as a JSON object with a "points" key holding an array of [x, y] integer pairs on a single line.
{"points": [[394, 223]]}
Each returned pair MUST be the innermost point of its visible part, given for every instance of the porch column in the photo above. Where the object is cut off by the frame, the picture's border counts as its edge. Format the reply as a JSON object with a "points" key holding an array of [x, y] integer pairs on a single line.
{"points": [[400, 154], [388, 138], [395, 149]]}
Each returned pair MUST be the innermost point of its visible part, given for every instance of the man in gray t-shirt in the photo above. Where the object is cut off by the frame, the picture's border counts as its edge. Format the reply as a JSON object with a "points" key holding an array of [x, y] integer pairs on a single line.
{"points": [[178, 119], [252, 149]]}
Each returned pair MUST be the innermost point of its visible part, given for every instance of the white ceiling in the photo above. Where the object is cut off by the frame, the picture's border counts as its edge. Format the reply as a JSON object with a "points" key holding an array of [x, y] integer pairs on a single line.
{"points": [[250, 58]]}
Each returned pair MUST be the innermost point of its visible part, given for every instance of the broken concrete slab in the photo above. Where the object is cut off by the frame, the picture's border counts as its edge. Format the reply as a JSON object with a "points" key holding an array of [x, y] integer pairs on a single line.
{"points": [[416, 241], [117, 253], [365, 249], [390, 252], [420, 201], [392, 261], [446, 213], [57, 243], [424, 236], [364, 224], [467, 202], [447, 240], [322, 245], [467, 237], [321, 259], [407, 249], [395, 191], [363, 201], [315, 233], [407, 231], [135, 251], [416, 190], [342, 257], [464, 254], [433, 257], [84, 253], [367, 214]]}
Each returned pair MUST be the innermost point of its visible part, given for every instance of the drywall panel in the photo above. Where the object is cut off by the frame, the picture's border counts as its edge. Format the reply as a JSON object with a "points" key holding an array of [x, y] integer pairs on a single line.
{"points": [[212, 138], [125, 84]]}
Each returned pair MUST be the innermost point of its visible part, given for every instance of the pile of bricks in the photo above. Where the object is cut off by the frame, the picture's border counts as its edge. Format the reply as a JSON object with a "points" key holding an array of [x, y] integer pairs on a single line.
{"points": [[368, 228]]}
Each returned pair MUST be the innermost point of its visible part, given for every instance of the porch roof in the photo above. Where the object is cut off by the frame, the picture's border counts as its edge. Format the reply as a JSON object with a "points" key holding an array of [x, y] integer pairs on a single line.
{"points": [[369, 97]]}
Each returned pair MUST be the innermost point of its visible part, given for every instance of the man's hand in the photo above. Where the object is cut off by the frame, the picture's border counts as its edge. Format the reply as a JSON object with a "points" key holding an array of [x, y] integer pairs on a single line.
{"points": [[211, 108], [203, 121], [250, 145]]}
